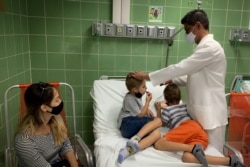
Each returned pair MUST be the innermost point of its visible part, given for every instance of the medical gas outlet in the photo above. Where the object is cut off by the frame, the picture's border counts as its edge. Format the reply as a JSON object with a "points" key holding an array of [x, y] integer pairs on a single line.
{"points": [[240, 35], [132, 31]]}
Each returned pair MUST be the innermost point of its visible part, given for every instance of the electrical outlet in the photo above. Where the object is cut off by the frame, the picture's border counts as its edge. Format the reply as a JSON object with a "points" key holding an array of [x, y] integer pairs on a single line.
{"points": [[235, 35], [141, 31], [109, 29], [151, 31], [161, 32], [245, 36], [130, 30], [120, 30]]}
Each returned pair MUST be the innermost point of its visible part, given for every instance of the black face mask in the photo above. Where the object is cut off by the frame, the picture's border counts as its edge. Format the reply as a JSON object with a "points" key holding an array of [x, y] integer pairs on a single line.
{"points": [[57, 110], [138, 95]]}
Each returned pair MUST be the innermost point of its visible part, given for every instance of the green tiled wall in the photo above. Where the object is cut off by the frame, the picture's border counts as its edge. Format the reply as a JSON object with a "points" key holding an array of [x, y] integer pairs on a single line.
{"points": [[50, 40]]}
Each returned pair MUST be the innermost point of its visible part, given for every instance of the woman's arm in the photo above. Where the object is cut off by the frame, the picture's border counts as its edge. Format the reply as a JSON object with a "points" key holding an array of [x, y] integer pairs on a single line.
{"points": [[70, 157]]}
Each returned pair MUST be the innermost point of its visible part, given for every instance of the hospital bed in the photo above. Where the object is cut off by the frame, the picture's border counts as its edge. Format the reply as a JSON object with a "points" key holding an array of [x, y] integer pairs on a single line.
{"points": [[239, 116], [107, 93], [82, 151]]}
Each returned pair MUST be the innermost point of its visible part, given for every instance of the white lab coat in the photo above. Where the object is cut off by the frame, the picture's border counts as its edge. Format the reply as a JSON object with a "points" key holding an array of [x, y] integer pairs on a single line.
{"points": [[203, 73]]}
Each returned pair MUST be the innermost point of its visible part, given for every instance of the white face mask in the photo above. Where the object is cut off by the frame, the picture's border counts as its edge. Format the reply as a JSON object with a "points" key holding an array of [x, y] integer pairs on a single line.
{"points": [[190, 38]]}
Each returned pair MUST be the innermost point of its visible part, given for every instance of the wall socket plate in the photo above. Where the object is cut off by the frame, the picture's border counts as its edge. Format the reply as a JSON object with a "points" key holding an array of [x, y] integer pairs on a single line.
{"points": [[100, 28], [141, 31], [161, 32], [151, 32], [109, 29], [120, 30], [130, 30], [97, 29]]}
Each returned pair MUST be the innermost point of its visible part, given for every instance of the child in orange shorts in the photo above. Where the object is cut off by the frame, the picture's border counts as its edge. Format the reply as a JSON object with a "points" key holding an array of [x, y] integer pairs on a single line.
{"points": [[186, 134]]}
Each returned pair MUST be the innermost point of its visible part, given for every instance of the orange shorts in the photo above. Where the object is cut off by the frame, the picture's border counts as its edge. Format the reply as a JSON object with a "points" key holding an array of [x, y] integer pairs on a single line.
{"points": [[188, 132]]}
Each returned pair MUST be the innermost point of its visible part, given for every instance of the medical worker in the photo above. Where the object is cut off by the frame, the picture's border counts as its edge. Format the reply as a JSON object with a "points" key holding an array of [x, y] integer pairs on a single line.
{"points": [[203, 74]]}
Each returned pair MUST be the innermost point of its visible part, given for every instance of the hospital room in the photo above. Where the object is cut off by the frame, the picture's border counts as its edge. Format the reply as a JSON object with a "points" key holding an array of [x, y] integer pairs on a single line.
{"points": [[84, 49]]}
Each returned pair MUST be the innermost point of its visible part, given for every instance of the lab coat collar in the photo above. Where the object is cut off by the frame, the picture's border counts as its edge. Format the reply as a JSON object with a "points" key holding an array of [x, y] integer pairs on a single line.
{"points": [[205, 38]]}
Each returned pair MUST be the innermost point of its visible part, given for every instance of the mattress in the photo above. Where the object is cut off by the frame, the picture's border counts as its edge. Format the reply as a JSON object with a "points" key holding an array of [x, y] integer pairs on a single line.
{"points": [[107, 101]]}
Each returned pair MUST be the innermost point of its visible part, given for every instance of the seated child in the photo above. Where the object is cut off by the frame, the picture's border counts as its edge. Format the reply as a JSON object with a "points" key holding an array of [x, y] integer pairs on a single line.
{"points": [[135, 121]]}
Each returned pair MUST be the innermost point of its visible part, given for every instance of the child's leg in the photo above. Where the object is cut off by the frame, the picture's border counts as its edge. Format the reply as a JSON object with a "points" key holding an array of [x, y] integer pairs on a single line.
{"points": [[150, 139], [232, 161], [145, 142], [196, 151], [149, 127]]}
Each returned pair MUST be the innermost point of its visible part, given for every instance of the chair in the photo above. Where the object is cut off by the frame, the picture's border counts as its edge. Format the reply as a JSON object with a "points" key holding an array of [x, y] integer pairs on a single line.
{"points": [[82, 151], [239, 125]]}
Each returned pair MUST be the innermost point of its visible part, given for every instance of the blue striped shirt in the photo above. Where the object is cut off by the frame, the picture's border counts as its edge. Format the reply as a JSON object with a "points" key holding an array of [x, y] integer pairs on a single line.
{"points": [[174, 115]]}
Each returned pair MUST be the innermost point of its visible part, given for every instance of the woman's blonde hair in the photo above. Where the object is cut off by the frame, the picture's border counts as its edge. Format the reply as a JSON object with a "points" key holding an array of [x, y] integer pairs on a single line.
{"points": [[36, 95]]}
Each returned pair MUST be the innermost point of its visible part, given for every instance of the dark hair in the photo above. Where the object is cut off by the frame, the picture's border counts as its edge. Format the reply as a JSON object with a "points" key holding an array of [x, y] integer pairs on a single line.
{"points": [[36, 95], [132, 82], [172, 94], [196, 15]]}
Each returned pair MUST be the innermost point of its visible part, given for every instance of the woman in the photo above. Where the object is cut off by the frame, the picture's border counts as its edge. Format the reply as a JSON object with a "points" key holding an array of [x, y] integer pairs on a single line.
{"points": [[41, 139]]}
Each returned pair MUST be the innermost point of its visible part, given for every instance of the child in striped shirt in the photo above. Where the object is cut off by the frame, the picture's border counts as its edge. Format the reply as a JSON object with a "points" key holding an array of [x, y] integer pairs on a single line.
{"points": [[186, 134]]}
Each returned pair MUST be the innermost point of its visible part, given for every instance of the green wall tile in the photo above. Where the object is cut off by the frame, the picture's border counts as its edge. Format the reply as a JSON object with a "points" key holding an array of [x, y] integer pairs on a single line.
{"points": [[72, 27], [139, 47], [8, 24], [139, 63], [220, 4], [89, 10], [55, 44], [71, 9], [74, 77], [219, 33], [54, 26], [36, 25], [139, 14], [54, 8], [37, 43], [56, 75], [72, 44], [218, 18], [169, 17], [123, 63], [10, 45], [90, 61], [73, 61], [2, 47], [56, 61], [17, 24], [35, 8], [235, 5], [4, 69], [106, 13], [39, 60], [234, 18], [173, 3], [106, 63]]}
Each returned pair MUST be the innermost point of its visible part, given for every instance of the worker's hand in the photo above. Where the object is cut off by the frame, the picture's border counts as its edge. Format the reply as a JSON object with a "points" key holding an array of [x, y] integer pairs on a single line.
{"points": [[165, 83], [139, 75], [148, 96]]}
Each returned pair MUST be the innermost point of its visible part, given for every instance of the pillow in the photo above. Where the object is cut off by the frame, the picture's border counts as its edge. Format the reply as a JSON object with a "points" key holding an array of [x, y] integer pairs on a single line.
{"points": [[245, 87]]}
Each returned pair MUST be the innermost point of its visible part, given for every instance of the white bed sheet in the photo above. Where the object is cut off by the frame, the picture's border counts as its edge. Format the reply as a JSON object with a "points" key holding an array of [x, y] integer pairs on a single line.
{"points": [[108, 96]]}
